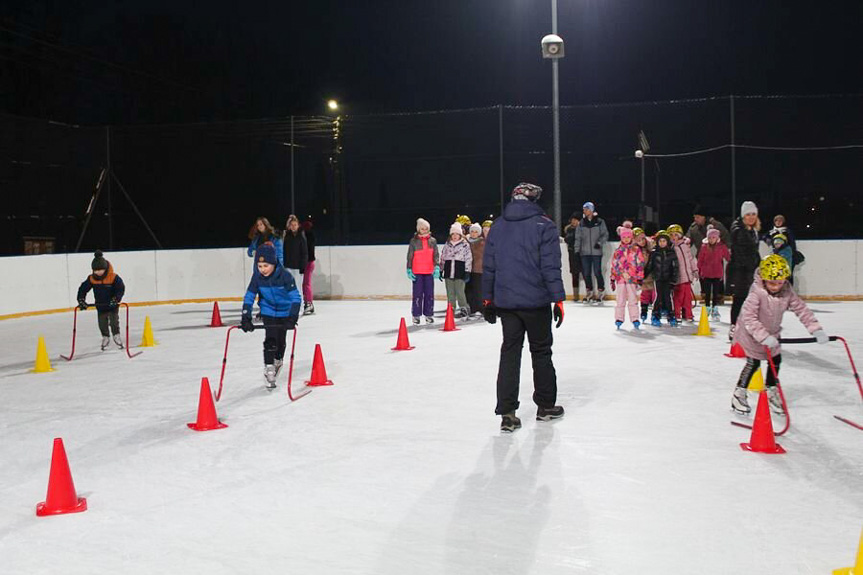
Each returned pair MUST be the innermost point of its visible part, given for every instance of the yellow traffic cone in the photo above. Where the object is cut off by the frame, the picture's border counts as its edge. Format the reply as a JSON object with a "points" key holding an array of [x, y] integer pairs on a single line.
{"points": [[148, 340], [858, 565], [703, 323], [756, 384], [43, 364]]}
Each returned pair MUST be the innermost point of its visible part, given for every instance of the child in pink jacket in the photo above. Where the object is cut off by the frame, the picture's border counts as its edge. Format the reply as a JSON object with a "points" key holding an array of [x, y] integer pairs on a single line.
{"points": [[711, 257], [627, 274], [759, 326], [687, 273]]}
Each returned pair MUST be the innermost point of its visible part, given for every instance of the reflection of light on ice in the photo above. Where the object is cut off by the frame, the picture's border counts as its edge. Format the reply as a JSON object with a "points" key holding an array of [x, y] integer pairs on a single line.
{"points": [[400, 466]]}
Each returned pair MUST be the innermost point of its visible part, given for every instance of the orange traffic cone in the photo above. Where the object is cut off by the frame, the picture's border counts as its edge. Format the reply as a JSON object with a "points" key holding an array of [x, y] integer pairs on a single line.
{"points": [[319, 371], [762, 440], [449, 322], [403, 344], [207, 418], [61, 490], [736, 351], [216, 320]]}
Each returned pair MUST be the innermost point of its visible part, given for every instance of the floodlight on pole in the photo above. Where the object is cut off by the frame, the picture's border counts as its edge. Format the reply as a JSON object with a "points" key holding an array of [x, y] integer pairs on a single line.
{"points": [[333, 105]]}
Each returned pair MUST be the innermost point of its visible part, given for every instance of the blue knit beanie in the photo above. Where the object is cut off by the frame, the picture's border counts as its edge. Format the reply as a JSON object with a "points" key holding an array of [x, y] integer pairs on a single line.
{"points": [[267, 254]]}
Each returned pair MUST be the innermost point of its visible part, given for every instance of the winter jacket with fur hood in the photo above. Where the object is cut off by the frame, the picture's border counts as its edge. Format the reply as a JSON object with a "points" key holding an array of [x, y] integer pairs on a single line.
{"points": [[761, 316]]}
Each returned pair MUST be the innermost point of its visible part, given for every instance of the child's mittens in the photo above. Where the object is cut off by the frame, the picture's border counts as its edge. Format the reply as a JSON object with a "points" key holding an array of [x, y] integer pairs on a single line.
{"points": [[771, 342], [820, 336], [82, 305], [436, 273], [114, 302], [411, 276], [613, 285], [246, 321]]}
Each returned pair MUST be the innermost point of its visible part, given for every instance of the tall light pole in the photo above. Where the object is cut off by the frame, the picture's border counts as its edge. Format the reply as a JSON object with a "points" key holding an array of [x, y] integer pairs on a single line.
{"points": [[552, 48]]}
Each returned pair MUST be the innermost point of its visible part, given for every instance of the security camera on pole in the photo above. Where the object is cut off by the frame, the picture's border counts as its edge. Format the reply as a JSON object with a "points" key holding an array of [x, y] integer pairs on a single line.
{"points": [[552, 48]]}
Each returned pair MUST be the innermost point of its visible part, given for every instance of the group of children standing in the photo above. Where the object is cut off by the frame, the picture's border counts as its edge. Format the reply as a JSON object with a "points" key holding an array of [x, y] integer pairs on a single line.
{"points": [[664, 268], [458, 265]]}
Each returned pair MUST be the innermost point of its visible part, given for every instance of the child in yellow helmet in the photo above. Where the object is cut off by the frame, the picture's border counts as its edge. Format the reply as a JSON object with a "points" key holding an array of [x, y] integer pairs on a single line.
{"points": [[759, 326]]}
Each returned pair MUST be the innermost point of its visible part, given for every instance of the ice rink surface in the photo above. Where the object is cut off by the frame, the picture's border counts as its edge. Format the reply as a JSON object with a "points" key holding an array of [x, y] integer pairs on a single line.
{"points": [[400, 466]]}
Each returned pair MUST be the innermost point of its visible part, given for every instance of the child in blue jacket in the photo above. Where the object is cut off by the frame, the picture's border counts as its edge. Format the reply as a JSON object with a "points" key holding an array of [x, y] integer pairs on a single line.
{"points": [[108, 290], [279, 302]]}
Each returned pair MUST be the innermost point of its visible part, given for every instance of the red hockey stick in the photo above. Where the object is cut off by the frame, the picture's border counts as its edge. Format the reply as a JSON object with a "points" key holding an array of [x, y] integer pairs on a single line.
{"points": [[857, 378], [291, 372]]}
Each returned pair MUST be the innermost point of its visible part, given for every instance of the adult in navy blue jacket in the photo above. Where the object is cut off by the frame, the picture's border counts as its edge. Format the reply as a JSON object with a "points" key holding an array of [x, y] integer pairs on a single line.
{"points": [[521, 279], [279, 301]]}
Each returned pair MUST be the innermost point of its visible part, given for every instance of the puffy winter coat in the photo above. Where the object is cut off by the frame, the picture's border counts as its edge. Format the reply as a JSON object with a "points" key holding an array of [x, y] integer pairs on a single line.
{"points": [[687, 267], [663, 265], [273, 240], [477, 250], [761, 316], [569, 238], [110, 285], [646, 251], [627, 264], [277, 294], [456, 260], [710, 259], [521, 265], [590, 237], [296, 250], [422, 254], [744, 248]]}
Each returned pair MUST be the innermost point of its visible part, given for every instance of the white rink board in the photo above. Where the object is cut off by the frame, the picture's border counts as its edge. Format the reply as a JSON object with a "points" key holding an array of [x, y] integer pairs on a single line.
{"points": [[34, 283]]}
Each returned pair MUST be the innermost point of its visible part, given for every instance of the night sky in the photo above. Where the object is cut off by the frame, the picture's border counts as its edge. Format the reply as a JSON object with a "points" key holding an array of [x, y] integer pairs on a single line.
{"points": [[161, 61], [170, 76]]}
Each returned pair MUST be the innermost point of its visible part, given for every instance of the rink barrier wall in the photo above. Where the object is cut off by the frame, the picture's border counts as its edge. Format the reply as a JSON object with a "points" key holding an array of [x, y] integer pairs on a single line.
{"points": [[34, 285]]}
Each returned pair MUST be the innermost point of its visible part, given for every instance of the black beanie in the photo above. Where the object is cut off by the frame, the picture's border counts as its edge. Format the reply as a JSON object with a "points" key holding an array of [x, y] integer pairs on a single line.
{"points": [[99, 262]]}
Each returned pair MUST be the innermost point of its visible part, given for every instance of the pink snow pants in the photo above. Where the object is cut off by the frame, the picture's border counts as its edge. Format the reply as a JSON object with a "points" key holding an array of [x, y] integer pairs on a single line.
{"points": [[627, 296], [307, 282]]}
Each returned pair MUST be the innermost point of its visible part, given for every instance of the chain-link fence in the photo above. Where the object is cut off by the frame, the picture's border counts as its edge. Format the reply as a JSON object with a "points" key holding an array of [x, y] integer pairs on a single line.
{"points": [[366, 178]]}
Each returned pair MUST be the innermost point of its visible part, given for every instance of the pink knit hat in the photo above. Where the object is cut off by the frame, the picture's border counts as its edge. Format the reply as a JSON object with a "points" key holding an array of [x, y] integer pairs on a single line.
{"points": [[713, 233], [624, 232]]}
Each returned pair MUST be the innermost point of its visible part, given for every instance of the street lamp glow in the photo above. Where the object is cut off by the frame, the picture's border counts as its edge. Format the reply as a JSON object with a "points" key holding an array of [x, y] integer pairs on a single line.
{"points": [[332, 105]]}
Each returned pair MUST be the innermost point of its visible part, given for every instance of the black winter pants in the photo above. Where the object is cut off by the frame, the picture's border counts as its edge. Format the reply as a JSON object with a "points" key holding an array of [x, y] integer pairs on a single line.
{"points": [[275, 340], [712, 290], [473, 292], [749, 370], [109, 317], [741, 281], [662, 304], [537, 324]]}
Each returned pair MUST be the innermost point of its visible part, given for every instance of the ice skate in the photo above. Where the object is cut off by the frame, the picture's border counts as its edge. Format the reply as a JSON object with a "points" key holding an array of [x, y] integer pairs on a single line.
{"points": [[775, 400], [278, 365], [118, 340], [656, 322], [270, 376], [105, 342], [600, 296], [416, 320], [672, 321], [308, 308], [731, 332], [429, 320], [588, 297], [740, 401], [509, 422], [636, 325], [618, 323], [549, 413], [464, 313], [714, 314]]}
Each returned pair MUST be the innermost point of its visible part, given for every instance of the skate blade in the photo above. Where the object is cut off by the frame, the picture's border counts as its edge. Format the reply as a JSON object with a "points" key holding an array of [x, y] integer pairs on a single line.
{"points": [[736, 411]]}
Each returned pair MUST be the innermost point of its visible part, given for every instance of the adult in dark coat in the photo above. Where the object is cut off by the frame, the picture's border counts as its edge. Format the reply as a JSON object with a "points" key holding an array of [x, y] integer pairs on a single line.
{"points": [[697, 231], [296, 255], [574, 257], [744, 257], [521, 280]]}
